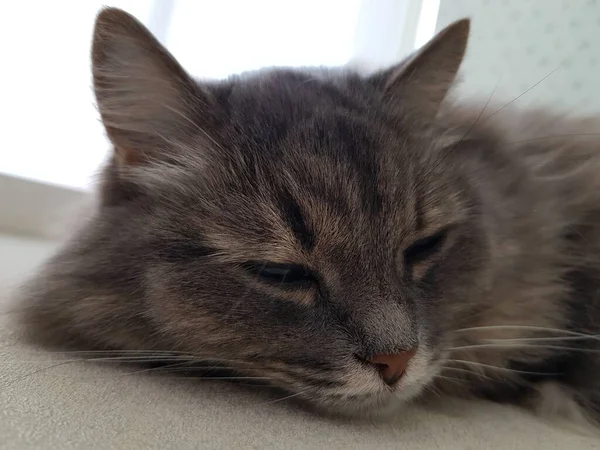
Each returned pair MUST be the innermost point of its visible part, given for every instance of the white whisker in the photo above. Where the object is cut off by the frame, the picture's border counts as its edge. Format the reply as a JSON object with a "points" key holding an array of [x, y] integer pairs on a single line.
{"points": [[451, 379], [167, 368], [469, 371], [518, 345], [108, 359], [524, 328], [285, 398], [544, 339], [500, 369], [220, 378]]}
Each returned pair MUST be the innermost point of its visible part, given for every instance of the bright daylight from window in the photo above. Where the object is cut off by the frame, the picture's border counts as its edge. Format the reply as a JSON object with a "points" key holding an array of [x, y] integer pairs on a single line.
{"points": [[55, 135]]}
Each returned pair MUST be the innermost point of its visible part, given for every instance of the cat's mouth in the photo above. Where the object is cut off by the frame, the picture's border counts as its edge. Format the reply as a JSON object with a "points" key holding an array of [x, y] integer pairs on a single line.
{"points": [[358, 391]]}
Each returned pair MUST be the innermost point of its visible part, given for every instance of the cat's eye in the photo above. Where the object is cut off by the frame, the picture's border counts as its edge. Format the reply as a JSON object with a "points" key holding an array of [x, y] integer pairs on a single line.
{"points": [[291, 275], [425, 248]]}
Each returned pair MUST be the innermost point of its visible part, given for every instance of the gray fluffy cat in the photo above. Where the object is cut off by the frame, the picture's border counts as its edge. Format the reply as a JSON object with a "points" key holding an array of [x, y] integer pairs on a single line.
{"points": [[356, 239]]}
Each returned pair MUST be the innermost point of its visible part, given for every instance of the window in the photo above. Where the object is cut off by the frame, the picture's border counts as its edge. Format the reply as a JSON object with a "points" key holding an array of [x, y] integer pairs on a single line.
{"points": [[51, 130]]}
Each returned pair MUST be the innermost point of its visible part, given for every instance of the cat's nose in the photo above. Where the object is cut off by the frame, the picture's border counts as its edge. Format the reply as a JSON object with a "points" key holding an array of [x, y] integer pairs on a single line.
{"points": [[392, 366]]}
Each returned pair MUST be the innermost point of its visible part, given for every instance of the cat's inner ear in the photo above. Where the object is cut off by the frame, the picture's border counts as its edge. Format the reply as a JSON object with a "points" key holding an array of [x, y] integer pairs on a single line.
{"points": [[423, 80], [144, 96]]}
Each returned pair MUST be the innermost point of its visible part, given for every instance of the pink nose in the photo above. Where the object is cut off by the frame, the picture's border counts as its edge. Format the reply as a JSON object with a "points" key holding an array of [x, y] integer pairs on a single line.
{"points": [[392, 366]]}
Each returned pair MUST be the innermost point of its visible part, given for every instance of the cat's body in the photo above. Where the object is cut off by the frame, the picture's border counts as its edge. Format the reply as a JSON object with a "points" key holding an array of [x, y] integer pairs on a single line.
{"points": [[300, 224], [545, 200]]}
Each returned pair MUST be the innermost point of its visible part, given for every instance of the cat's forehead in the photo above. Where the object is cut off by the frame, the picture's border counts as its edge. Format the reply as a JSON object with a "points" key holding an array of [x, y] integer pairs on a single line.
{"points": [[280, 98], [299, 116], [315, 161]]}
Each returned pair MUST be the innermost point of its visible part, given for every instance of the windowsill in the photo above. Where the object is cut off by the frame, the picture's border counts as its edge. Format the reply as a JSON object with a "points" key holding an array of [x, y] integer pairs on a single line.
{"points": [[37, 209], [19, 257]]}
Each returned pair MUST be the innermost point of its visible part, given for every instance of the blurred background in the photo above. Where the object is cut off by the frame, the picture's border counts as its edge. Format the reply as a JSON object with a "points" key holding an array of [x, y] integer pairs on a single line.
{"points": [[54, 134], [543, 52], [51, 132]]}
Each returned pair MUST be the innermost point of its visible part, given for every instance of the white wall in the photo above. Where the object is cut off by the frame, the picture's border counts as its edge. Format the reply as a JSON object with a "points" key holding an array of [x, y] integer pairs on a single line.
{"points": [[516, 43]]}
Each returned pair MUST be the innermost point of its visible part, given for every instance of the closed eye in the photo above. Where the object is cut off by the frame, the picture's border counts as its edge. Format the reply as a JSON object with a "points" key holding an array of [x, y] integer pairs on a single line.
{"points": [[289, 275], [424, 249]]}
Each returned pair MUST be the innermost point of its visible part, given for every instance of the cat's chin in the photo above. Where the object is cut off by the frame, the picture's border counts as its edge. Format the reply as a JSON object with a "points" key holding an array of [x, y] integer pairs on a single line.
{"points": [[378, 406], [380, 402]]}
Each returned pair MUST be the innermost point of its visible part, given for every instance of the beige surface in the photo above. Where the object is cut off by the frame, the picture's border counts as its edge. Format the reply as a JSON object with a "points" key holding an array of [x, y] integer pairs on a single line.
{"points": [[100, 406]]}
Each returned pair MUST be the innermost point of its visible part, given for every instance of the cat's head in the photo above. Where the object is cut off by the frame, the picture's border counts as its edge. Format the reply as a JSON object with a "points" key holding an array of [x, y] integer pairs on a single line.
{"points": [[310, 226]]}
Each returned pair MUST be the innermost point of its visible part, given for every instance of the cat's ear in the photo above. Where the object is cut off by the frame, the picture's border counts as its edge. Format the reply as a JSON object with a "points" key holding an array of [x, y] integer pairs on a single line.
{"points": [[144, 96], [423, 80]]}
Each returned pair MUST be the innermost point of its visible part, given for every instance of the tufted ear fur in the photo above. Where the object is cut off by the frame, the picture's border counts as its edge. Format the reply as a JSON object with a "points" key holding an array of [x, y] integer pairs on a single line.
{"points": [[423, 80], [145, 98]]}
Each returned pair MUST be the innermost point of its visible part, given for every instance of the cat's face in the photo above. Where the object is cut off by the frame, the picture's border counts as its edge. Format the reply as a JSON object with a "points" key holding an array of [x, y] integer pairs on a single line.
{"points": [[295, 224]]}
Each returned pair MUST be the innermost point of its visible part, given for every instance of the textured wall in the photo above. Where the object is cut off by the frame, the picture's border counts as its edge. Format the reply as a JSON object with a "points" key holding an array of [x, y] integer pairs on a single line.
{"points": [[516, 43]]}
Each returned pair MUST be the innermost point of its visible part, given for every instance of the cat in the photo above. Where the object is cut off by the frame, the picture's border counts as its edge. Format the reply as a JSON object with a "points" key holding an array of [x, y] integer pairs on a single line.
{"points": [[356, 239]]}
